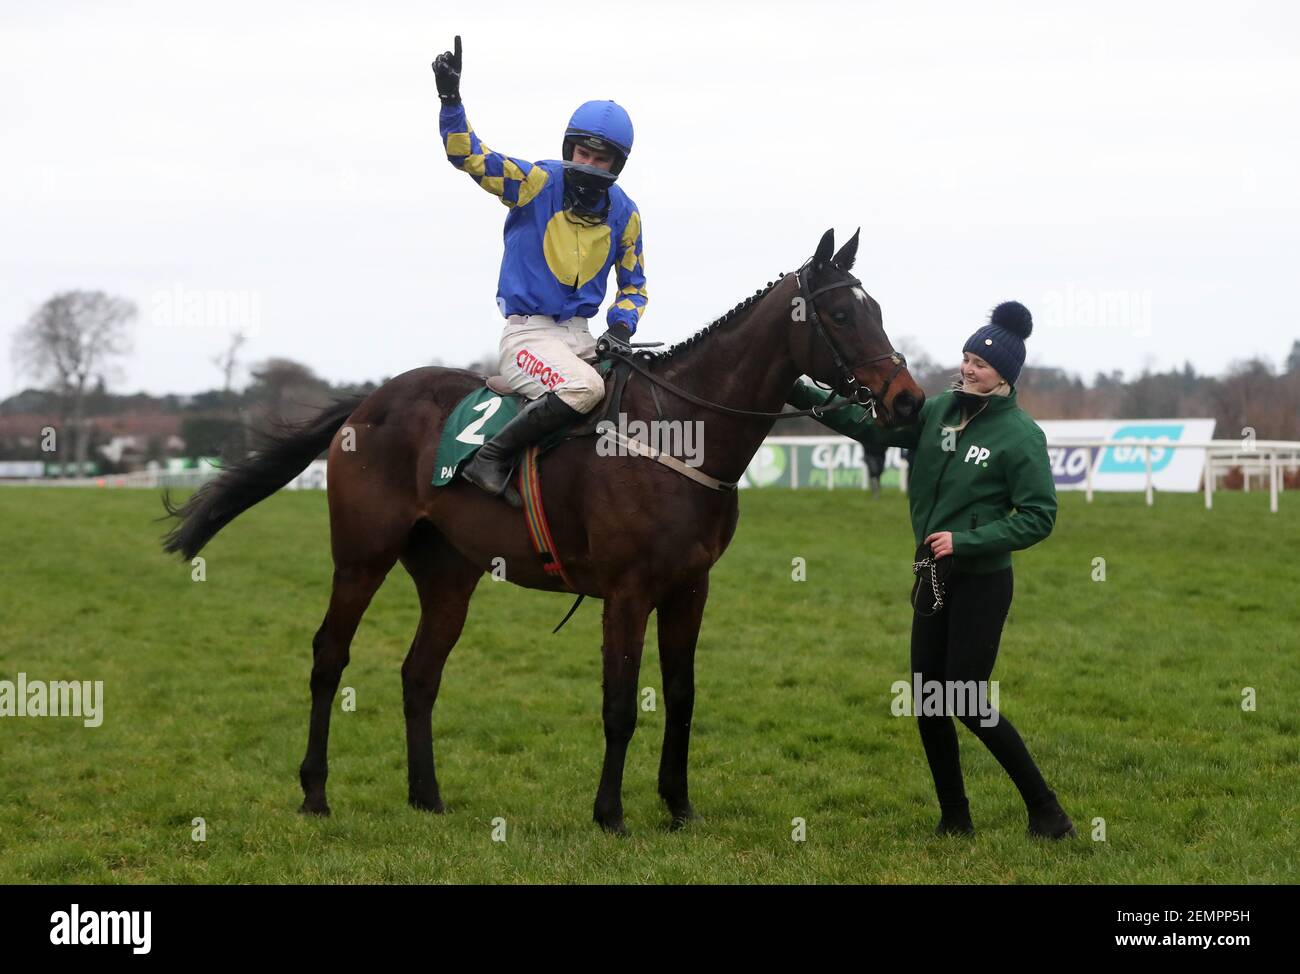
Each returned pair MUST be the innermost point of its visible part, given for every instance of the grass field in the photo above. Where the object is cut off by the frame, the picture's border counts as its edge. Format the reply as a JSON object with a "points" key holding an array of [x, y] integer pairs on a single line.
{"points": [[1128, 693]]}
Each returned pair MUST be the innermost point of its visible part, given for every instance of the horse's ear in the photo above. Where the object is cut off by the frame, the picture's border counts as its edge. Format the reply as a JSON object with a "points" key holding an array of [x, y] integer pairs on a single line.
{"points": [[825, 248], [844, 259]]}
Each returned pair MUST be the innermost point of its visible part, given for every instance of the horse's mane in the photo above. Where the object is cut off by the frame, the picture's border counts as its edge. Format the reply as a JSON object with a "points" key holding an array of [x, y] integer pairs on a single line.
{"points": [[718, 322]]}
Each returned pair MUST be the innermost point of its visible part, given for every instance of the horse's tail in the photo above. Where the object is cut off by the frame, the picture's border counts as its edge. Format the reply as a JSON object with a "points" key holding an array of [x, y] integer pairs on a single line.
{"points": [[282, 454]]}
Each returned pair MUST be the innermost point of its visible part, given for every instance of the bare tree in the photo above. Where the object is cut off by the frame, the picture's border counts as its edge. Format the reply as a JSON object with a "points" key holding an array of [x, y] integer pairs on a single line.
{"points": [[73, 337], [227, 361], [285, 390]]}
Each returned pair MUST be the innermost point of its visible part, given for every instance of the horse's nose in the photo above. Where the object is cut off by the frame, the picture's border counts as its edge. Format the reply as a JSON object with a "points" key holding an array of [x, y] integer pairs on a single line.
{"points": [[906, 407]]}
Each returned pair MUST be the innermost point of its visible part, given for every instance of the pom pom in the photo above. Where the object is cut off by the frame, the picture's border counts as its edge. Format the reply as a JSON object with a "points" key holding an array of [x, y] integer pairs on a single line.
{"points": [[1013, 317]]}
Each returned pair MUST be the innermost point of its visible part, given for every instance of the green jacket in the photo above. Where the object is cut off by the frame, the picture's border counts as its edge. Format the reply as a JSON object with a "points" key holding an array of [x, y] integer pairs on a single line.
{"points": [[991, 486]]}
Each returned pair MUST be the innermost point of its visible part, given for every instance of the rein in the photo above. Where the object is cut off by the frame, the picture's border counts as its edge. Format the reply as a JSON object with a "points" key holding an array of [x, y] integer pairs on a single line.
{"points": [[858, 394], [718, 407]]}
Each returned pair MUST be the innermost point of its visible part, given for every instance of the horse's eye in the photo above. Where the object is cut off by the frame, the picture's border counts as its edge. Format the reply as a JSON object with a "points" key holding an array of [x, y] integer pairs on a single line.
{"points": [[838, 317]]}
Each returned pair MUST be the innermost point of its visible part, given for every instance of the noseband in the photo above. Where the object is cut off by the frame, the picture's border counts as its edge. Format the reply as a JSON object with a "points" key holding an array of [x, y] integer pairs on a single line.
{"points": [[853, 389]]}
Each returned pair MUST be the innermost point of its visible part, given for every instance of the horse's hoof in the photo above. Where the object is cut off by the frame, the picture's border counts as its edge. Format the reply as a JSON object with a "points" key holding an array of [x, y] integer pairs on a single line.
{"points": [[682, 818], [613, 824], [314, 808], [424, 805]]}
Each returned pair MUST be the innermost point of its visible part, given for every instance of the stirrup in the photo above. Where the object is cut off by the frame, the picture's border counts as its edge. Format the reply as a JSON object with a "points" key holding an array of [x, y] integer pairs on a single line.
{"points": [[506, 492]]}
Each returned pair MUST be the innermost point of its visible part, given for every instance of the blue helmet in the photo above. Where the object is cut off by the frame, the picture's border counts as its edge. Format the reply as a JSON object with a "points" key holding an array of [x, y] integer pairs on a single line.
{"points": [[602, 126]]}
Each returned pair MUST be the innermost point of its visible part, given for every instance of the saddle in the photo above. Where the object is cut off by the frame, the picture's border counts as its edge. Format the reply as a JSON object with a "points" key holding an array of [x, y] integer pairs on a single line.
{"points": [[481, 414], [615, 373]]}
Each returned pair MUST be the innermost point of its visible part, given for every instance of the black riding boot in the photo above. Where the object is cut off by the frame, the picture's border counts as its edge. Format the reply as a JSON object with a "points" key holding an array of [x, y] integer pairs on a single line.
{"points": [[1047, 820], [955, 820], [495, 460]]}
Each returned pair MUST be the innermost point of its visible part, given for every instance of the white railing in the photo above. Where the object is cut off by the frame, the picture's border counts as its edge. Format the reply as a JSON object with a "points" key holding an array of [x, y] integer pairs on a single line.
{"points": [[139, 478], [1263, 458], [1266, 459], [1269, 457]]}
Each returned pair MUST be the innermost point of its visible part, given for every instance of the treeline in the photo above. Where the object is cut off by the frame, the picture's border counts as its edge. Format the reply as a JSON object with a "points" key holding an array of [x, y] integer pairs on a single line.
{"points": [[1252, 393], [217, 422]]}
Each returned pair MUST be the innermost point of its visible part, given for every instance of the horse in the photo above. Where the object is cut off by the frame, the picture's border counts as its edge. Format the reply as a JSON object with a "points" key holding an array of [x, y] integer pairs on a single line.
{"points": [[632, 532]]}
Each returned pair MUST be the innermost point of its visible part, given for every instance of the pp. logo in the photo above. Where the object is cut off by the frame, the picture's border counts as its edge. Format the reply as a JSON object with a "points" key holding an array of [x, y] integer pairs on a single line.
{"points": [[978, 454]]}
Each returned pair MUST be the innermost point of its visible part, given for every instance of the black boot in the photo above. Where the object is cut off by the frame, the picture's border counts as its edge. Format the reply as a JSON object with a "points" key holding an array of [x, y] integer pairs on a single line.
{"points": [[1047, 820], [955, 820], [495, 460]]}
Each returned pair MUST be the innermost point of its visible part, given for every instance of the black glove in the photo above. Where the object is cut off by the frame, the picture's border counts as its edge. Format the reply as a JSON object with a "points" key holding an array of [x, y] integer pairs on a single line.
{"points": [[618, 337], [446, 72]]}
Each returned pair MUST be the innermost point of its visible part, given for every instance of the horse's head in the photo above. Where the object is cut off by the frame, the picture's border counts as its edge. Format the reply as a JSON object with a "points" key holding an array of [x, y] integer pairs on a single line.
{"points": [[838, 338]]}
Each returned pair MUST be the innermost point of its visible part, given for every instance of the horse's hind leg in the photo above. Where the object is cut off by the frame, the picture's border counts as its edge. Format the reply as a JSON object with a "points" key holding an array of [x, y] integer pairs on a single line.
{"points": [[445, 580], [354, 586], [679, 628]]}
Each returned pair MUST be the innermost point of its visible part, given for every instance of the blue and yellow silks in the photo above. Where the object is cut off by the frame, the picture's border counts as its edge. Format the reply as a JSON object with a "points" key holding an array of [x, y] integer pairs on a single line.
{"points": [[553, 263]]}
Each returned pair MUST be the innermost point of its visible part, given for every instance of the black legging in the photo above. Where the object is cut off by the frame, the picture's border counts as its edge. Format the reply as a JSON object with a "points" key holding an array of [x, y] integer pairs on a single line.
{"points": [[960, 642]]}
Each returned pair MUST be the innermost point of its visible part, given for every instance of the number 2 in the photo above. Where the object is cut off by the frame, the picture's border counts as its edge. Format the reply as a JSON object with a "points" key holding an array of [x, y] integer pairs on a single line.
{"points": [[470, 434]]}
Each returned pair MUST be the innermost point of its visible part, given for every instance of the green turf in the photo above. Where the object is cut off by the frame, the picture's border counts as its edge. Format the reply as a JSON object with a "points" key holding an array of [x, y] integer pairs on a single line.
{"points": [[1127, 691]]}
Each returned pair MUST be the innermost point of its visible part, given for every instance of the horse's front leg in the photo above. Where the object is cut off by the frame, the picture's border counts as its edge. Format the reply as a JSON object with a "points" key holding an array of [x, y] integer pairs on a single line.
{"points": [[624, 634], [679, 628]]}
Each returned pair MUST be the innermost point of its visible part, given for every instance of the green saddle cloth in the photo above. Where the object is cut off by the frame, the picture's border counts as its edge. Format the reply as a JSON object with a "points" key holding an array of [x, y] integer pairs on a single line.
{"points": [[475, 420]]}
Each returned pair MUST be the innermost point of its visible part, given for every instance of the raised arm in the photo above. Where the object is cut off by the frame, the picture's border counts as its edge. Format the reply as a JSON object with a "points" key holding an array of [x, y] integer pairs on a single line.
{"points": [[515, 182]]}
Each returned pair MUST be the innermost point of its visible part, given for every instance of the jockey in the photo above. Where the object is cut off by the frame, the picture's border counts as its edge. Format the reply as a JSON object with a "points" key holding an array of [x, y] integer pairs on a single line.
{"points": [[568, 224]]}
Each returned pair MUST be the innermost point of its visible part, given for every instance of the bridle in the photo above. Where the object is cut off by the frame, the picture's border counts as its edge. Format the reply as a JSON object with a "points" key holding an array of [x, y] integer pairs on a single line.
{"points": [[854, 390]]}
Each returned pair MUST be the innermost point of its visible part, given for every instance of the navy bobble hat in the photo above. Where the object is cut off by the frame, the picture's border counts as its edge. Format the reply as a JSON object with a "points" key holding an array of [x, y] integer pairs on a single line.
{"points": [[1001, 342]]}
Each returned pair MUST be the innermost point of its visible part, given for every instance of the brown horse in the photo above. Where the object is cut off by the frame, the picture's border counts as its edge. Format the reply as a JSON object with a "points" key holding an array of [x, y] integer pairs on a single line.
{"points": [[630, 531]]}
